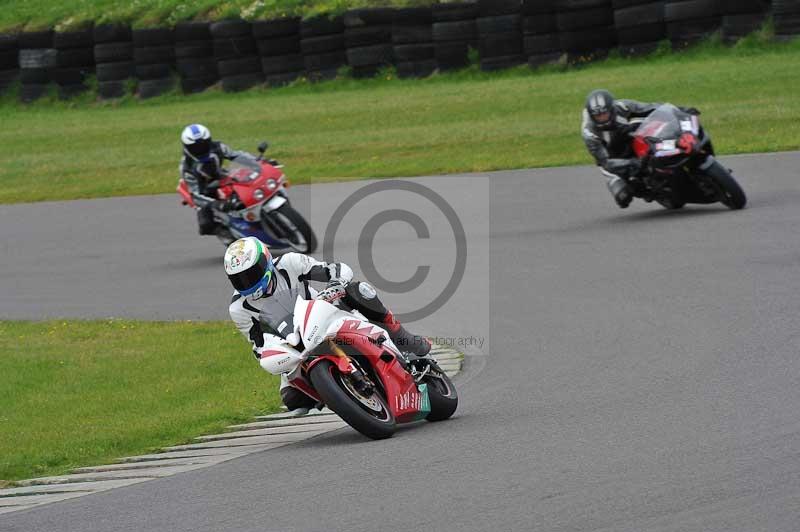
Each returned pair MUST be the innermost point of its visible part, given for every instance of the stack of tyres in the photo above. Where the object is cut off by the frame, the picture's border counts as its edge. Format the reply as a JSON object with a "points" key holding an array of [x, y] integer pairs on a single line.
{"points": [[74, 61], [640, 25], [322, 44], [154, 56], [540, 32], [37, 59], [455, 32], [238, 63], [742, 17], [368, 40], [412, 37], [9, 61], [690, 21], [586, 28], [500, 34], [278, 43], [113, 56], [194, 56], [787, 18]]}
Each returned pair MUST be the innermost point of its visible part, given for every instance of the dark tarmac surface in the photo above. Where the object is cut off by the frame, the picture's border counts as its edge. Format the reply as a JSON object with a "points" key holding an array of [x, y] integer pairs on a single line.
{"points": [[640, 370]]}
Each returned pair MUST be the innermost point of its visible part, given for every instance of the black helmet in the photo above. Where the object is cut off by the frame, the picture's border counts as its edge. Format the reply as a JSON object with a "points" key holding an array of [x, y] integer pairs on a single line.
{"points": [[600, 106]]}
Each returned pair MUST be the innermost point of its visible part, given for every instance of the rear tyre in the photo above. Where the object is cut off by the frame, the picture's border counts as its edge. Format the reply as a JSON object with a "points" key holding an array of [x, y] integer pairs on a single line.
{"points": [[730, 193], [441, 393], [368, 415]]}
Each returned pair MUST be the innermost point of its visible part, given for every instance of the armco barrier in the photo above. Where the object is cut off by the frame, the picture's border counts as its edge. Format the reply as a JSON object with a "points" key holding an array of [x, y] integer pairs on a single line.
{"points": [[239, 54]]}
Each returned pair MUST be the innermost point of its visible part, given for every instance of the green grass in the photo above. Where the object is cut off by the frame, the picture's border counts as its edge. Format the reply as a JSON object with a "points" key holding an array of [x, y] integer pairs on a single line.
{"points": [[466, 121], [38, 14], [81, 393]]}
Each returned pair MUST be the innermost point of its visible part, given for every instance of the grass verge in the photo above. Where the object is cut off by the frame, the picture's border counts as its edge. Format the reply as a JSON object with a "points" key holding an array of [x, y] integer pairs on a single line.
{"points": [[79, 393], [37, 14], [464, 121]]}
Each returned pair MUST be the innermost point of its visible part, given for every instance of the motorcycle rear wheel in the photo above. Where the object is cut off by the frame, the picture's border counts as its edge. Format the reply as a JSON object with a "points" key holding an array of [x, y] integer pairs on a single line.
{"points": [[731, 194], [441, 393], [368, 415]]}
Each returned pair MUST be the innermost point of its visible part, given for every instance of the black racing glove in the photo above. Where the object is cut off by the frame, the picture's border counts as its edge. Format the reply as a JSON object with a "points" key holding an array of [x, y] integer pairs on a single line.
{"points": [[691, 110]]}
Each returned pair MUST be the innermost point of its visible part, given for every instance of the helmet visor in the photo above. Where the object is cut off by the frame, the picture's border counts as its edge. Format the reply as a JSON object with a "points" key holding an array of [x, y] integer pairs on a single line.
{"points": [[602, 118], [200, 149], [247, 282]]}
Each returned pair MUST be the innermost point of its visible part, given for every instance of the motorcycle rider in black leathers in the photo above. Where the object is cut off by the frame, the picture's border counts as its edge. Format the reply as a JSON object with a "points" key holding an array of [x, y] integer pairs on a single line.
{"points": [[201, 169], [606, 130]]}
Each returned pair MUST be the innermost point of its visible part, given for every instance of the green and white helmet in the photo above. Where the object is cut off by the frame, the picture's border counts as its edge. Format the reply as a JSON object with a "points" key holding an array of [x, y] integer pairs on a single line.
{"points": [[249, 266]]}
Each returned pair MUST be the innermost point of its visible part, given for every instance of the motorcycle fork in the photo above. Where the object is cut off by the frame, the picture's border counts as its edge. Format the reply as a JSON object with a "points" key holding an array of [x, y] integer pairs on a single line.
{"points": [[361, 382]]}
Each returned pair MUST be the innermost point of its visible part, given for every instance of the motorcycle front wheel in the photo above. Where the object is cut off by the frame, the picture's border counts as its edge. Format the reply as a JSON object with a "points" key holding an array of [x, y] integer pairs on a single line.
{"points": [[368, 415], [730, 193], [289, 225]]}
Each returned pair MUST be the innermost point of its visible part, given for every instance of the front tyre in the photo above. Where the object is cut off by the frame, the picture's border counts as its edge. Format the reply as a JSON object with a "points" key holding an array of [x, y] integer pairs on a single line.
{"points": [[368, 415], [441, 393], [294, 228], [730, 193]]}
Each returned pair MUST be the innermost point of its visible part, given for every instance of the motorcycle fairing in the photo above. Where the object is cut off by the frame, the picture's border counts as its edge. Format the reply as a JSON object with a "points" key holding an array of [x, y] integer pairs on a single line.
{"points": [[319, 321]]}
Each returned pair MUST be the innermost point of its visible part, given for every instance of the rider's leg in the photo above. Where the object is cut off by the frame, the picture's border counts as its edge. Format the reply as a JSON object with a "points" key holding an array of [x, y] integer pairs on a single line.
{"points": [[362, 297], [619, 189], [205, 220], [296, 401]]}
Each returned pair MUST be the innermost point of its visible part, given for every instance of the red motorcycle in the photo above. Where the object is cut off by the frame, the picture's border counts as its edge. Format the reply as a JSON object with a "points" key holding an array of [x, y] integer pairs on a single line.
{"points": [[353, 367], [257, 189]]}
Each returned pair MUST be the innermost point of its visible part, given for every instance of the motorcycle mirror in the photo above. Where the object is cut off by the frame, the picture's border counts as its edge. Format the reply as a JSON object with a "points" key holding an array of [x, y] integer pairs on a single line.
{"points": [[263, 147]]}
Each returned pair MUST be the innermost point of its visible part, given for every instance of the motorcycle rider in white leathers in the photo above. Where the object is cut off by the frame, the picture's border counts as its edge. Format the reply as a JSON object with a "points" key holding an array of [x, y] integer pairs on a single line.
{"points": [[259, 282]]}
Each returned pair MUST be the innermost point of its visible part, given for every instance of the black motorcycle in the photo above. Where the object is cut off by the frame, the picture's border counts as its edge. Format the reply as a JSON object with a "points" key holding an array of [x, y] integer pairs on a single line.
{"points": [[678, 164]]}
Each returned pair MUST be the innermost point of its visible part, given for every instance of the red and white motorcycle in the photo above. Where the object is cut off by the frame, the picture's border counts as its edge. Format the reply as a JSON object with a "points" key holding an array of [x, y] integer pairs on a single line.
{"points": [[257, 187], [353, 367]]}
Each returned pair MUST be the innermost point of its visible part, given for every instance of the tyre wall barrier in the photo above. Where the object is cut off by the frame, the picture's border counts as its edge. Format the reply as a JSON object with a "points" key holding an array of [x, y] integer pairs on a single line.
{"points": [[113, 58], [74, 61], [368, 40], [37, 60], [499, 25], [412, 41], [9, 61], [238, 54], [154, 61]]}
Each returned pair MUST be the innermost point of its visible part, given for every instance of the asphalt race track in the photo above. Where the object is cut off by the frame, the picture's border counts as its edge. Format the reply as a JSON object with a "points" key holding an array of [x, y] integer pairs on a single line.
{"points": [[640, 371]]}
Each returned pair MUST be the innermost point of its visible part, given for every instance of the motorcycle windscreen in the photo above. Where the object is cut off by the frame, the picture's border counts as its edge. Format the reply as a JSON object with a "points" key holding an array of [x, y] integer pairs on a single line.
{"points": [[243, 168], [663, 123]]}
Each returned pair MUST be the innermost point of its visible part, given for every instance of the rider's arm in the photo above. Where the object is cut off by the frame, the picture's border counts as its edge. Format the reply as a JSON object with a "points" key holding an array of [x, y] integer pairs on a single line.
{"points": [[635, 109], [307, 268], [197, 191], [593, 141], [228, 153], [274, 353]]}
